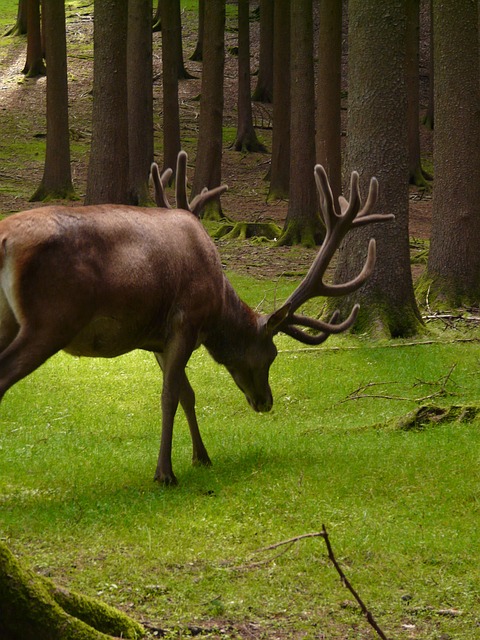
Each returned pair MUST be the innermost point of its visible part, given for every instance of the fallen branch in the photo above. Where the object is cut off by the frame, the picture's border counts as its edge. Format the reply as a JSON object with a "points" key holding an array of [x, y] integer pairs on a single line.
{"points": [[441, 392], [346, 583]]}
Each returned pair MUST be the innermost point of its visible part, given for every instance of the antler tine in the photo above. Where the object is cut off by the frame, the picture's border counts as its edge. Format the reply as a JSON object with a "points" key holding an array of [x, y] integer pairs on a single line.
{"points": [[350, 208], [205, 196], [336, 290], [181, 182], [326, 328], [159, 183], [325, 196]]}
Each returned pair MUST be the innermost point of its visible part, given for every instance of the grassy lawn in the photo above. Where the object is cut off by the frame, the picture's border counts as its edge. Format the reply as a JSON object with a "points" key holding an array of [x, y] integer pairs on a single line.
{"points": [[78, 446]]}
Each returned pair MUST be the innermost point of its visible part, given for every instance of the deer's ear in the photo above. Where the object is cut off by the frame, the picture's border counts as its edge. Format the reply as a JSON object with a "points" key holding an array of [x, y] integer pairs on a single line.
{"points": [[276, 319]]}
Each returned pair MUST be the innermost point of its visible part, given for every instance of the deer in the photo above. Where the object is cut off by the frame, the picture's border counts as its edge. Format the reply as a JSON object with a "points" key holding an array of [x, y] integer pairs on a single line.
{"points": [[103, 280]]}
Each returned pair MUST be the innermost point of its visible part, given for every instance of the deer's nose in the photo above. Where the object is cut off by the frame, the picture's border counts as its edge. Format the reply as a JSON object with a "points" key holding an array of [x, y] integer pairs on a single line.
{"points": [[261, 405]]}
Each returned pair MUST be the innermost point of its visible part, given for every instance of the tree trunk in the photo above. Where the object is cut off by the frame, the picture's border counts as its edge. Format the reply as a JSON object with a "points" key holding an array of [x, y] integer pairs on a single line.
{"points": [[32, 608], [140, 98], [246, 139], [328, 137], [108, 169], [377, 145], [264, 89], [279, 175], [208, 169], [429, 118], [197, 55], [302, 225], [177, 18], [20, 26], [34, 65], [454, 260], [57, 177], [416, 173], [171, 112]]}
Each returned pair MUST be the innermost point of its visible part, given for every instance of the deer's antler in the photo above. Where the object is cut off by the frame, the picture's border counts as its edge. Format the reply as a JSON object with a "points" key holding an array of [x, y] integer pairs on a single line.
{"points": [[337, 225], [181, 198]]}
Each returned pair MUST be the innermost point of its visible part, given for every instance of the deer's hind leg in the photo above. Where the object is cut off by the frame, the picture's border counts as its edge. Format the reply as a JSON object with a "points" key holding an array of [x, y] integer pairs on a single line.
{"points": [[8, 323]]}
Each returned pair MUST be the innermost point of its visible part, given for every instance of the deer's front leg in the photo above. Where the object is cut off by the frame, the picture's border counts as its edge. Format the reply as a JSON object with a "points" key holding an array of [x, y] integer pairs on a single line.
{"points": [[172, 361]]}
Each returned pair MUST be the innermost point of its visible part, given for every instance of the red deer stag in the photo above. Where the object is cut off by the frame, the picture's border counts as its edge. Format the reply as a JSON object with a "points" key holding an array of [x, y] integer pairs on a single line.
{"points": [[103, 280]]}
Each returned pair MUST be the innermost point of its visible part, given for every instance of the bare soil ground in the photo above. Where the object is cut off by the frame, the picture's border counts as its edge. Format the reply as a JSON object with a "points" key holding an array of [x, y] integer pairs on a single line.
{"points": [[22, 122]]}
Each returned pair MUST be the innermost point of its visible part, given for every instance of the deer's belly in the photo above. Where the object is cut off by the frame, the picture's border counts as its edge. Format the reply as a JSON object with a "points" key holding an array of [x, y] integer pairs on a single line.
{"points": [[108, 337]]}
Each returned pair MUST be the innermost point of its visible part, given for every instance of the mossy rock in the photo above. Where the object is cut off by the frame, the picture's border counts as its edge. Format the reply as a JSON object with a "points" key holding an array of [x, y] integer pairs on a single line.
{"points": [[427, 416]]}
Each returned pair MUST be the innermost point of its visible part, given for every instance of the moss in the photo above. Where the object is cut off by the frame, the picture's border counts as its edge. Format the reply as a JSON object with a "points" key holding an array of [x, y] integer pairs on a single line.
{"points": [[431, 415], [380, 321], [441, 293], [32, 608], [307, 235], [244, 230]]}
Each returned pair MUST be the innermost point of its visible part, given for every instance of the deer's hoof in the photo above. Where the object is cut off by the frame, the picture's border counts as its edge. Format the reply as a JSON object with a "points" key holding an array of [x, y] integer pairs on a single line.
{"points": [[203, 461], [166, 479]]}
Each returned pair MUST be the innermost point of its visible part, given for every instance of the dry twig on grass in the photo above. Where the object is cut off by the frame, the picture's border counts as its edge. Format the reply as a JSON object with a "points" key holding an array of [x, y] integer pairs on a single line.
{"points": [[440, 392], [346, 583]]}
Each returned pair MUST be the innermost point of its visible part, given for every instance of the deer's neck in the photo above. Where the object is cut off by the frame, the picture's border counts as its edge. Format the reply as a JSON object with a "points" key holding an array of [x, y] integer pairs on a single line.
{"points": [[234, 328]]}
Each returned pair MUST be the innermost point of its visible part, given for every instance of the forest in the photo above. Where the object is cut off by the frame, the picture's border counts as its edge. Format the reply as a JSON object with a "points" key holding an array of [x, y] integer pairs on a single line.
{"points": [[384, 452]]}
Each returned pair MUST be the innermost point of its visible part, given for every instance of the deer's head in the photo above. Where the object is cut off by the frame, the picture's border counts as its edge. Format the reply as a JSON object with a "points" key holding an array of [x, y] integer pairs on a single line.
{"points": [[249, 350]]}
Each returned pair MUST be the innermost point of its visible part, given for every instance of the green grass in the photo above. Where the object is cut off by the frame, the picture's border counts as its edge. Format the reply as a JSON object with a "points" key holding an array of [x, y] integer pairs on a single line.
{"points": [[78, 446]]}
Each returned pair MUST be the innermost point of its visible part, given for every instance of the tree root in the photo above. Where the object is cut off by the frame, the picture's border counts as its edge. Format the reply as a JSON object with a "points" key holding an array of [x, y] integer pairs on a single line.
{"points": [[244, 230], [33, 608]]}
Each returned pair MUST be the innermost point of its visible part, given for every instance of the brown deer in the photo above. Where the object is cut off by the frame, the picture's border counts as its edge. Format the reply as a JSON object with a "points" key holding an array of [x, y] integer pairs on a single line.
{"points": [[103, 280]]}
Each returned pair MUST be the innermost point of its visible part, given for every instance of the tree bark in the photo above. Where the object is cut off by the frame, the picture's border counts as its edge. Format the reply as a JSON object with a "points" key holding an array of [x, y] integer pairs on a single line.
{"points": [[417, 176], [454, 260], [33, 608], [279, 174], [208, 169], [108, 169], [328, 137], [57, 176], [246, 139], [34, 65], [140, 98], [377, 145], [429, 119], [302, 225], [197, 55], [20, 26], [264, 89], [171, 112]]}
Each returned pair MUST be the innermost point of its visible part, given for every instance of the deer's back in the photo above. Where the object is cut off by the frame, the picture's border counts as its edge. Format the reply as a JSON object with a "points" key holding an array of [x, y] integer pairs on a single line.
{"points": [[119, 275]]}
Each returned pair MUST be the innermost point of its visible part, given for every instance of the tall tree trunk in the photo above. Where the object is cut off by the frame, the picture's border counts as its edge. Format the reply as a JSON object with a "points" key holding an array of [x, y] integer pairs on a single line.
{"points": [[246, 139], [416, 173], [57, 177], [108, 169], [302, 225], [177, 22], [197, 55], [329, 93], [208, 168], [140, 98], [34, 65], [264, 89], [429, 118], [171, 112], [454, 260], [279, 174], [377, 145], [20, 26]]}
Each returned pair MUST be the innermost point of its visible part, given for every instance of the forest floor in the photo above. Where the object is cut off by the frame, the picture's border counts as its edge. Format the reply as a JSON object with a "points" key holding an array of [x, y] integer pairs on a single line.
{"points": [[23, 126]]}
